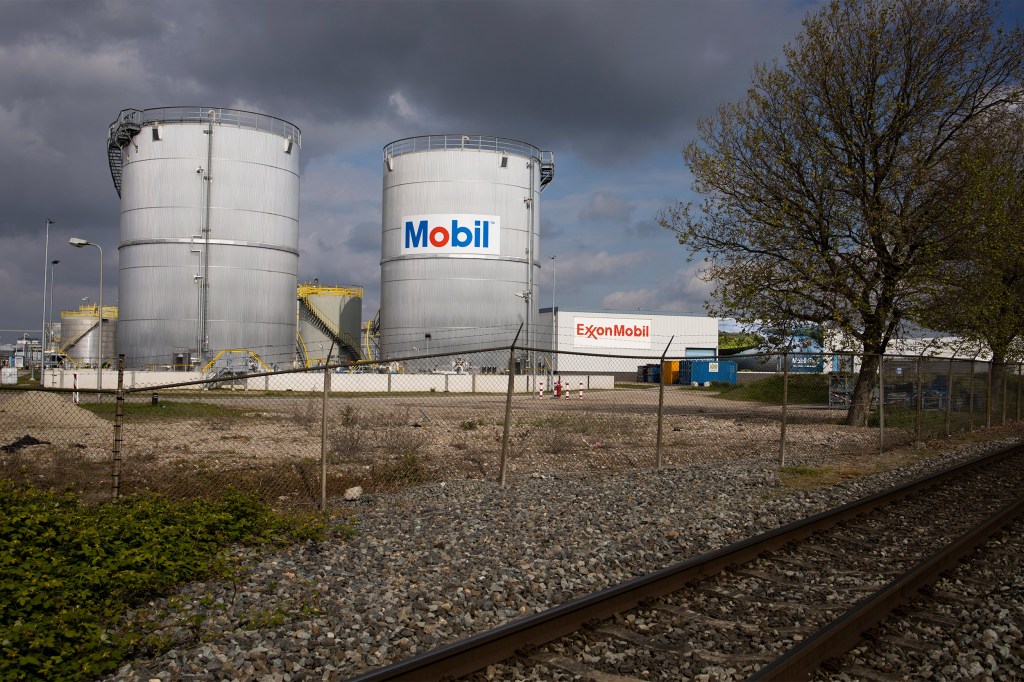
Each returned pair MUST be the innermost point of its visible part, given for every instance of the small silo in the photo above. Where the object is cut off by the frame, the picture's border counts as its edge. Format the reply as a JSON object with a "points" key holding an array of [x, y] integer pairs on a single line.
{"points": [[80, 335], [209, 233], [460, 239], [329, 317]]}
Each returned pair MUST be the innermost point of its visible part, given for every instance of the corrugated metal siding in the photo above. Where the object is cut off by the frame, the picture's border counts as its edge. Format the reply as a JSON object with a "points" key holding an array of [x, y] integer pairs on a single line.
{"points": [[463, 302], [254, 191]]}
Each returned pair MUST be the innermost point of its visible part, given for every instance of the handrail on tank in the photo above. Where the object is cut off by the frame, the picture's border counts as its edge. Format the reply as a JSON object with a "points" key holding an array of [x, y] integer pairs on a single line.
{"points": [[109, 311], [459, 141], [308, 289], [131, 120]]}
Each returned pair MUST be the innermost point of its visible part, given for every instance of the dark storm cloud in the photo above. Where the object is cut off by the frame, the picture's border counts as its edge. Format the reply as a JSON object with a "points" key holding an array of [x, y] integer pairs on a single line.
{"points": [[603, 83], [608, 81], [591, 77], [596, 78]]}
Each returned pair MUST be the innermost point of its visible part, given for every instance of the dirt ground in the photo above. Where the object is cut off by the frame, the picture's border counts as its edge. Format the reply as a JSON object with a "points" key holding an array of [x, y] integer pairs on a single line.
{"points": [[272, 444]]}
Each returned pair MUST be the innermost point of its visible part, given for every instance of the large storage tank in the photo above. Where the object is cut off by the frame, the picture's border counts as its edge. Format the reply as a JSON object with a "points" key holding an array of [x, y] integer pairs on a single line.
{"points": [[460, 237], [209, 233], [80, 335], [329, 317]]}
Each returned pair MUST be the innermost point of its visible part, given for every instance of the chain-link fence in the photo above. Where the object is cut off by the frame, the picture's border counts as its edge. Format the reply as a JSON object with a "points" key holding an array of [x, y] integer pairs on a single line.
{"points": [[302, 438]]}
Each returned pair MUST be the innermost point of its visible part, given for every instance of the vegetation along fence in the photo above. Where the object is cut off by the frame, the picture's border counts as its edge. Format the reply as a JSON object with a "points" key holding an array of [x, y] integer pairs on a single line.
{"points": [[303, 438]]}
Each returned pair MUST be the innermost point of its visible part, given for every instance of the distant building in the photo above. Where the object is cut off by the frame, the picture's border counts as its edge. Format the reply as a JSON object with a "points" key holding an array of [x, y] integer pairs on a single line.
{"points": [[628, 338]]}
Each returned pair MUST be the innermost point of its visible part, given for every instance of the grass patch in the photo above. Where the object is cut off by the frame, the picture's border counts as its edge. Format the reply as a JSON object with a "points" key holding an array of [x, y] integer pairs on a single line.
{"points": [[808, 478], [804, 389], [165, 410], [69, 572]]}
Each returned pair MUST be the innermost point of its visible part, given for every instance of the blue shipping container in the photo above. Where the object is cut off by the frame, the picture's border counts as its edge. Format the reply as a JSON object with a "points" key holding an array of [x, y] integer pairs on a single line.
{"points": [[706, 371]]}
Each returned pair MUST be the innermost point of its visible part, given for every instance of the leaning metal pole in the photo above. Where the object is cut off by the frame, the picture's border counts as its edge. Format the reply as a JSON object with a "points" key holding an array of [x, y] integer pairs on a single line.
{"points": [[115, 453], [661, 404], [508, 408]]}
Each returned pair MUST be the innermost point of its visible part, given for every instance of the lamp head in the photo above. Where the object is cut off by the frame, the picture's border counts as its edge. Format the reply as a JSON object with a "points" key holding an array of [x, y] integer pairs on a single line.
{"points": [[78, 243]]}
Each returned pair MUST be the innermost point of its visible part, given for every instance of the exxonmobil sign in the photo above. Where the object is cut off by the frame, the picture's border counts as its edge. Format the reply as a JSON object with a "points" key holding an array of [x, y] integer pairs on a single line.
{"points": [[451, 234], [606, 332]]}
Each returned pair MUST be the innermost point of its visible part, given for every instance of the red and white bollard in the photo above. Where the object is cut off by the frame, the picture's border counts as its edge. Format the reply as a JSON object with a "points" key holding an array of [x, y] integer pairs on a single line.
{"points": [[74, 395], [540, 388], [581, 390]]}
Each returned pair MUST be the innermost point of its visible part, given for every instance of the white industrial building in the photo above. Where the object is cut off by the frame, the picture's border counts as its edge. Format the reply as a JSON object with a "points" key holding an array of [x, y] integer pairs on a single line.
{"points": [[628, 339]]}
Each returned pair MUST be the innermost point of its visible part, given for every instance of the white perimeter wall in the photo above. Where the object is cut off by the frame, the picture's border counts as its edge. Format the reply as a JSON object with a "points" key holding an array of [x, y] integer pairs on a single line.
{"points": [[688, 334], [340, 383]]}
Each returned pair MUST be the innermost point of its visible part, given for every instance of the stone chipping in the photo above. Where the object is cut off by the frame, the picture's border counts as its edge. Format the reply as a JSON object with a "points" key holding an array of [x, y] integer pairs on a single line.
{"points": [[432, 564]]}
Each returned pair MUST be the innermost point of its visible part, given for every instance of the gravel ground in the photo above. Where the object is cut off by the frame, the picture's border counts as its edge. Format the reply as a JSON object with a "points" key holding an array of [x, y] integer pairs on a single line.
{"points": [[432, 564]]}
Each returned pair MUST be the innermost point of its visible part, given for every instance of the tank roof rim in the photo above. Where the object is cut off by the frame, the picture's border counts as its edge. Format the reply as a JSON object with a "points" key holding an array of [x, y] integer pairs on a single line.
{"points": [[147, 118], [445, 136]]}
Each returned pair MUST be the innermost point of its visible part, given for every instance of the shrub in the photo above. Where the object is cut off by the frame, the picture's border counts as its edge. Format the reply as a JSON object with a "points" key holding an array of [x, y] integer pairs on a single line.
{"points": [[68, 572]]}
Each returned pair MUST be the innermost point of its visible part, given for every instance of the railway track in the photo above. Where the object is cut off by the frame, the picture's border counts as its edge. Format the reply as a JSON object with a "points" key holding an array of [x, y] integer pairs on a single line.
{"points": [[776, 606]]}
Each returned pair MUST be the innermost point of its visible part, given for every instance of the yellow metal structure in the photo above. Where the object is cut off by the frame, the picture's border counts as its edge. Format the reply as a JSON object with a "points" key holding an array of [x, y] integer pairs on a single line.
{"points": [[109, 312], [314, 289], [207, 366], [323, 323]]}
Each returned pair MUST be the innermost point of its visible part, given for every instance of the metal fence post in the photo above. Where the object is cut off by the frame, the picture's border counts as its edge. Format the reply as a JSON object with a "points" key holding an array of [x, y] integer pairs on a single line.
{"points": [[502, 466], [1002, 407], [1020, 366], [323, 438], [881, 403], [115, 455], [970, 395], [785, 408], [918, 405], [988, 394], [661, 404], [949, 396]]}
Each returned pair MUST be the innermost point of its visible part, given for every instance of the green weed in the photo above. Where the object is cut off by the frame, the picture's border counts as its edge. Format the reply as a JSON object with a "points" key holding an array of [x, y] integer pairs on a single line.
{"points": [[69, 572]]}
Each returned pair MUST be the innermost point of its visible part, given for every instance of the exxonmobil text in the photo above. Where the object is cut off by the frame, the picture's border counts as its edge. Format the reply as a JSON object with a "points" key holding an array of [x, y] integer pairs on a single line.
{"points": [[593, 331], [611, 332]]}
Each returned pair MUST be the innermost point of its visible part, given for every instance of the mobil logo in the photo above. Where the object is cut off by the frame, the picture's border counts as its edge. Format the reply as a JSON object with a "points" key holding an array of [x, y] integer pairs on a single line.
{"points": [[451, 234]]}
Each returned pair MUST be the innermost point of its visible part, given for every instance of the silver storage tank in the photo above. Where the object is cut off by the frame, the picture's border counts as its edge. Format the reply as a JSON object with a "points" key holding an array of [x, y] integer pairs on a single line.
{"points": [[329, 316], [80, 335], [460, 239], [209, 233]]}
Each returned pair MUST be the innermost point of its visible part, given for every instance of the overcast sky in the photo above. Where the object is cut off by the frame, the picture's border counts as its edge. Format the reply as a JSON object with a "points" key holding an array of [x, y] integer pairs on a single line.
{"points": [[614, 89]]}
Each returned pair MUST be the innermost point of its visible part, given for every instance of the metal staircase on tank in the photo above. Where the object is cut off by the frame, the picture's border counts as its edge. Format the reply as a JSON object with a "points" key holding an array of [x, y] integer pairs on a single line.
{"points": [[77, 337], [342, 340], [127, 126], [547, 169]]}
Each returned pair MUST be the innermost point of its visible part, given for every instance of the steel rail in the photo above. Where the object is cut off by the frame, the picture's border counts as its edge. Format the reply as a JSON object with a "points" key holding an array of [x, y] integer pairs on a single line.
{"points": [[476, 652], [837, 638]]}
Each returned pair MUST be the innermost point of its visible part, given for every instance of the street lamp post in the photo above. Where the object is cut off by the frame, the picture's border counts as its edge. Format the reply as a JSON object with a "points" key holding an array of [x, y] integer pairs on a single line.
{"points": [[46, 262], [50, 317], [79, 243]]}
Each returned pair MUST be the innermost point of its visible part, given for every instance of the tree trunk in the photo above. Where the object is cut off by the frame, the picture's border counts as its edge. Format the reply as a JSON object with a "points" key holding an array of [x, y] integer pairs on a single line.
{"points": [[867, 379]]}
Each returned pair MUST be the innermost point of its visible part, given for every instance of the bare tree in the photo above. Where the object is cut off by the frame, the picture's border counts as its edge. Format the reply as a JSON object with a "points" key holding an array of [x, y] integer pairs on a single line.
{"points": [[828, 189]]}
